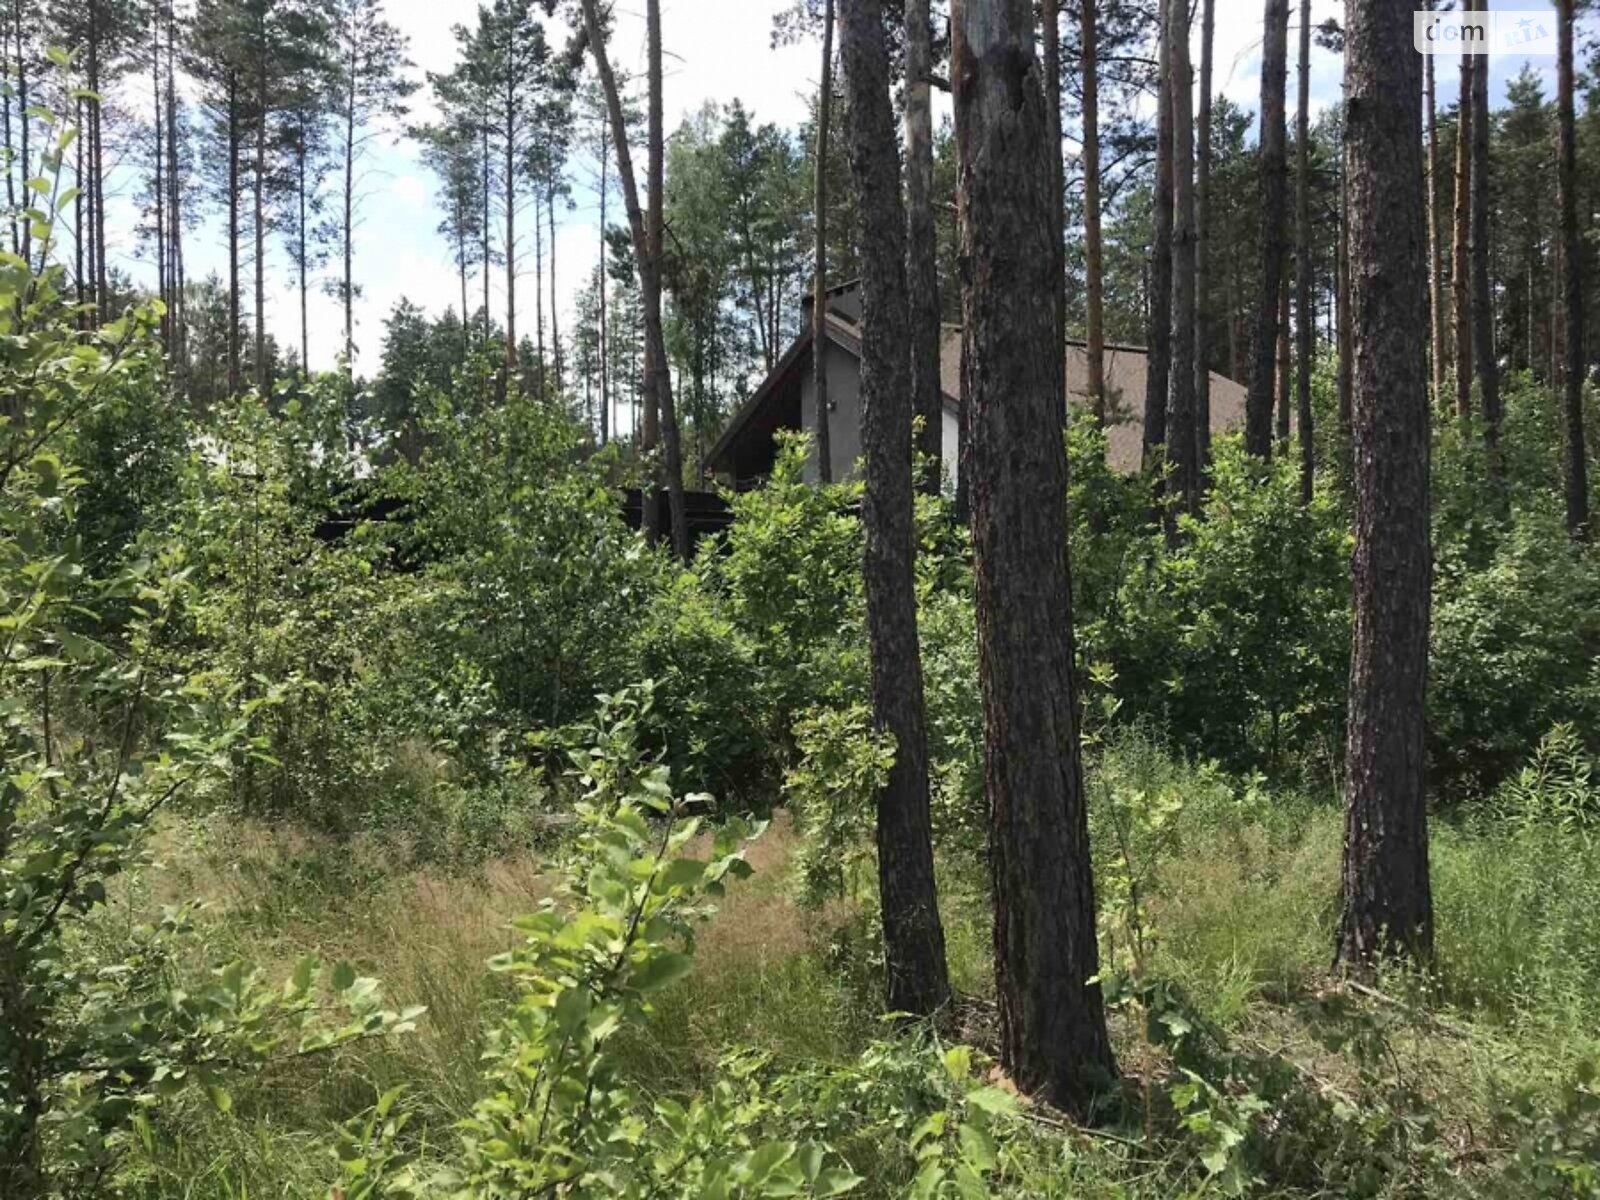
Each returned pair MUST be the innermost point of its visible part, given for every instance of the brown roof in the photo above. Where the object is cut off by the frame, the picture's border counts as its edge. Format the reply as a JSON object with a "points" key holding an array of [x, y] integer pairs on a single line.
{"points": [[1125, 384]]}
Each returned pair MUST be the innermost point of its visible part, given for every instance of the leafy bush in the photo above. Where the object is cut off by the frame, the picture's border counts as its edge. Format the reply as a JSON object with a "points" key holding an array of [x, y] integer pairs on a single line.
{"points": [[99, 735], [1514, 650], [1236, 641]]}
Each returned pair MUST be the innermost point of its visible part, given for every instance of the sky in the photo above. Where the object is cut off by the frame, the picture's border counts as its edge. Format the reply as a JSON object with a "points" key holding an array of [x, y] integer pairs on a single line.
{"points": [[715, 50]]}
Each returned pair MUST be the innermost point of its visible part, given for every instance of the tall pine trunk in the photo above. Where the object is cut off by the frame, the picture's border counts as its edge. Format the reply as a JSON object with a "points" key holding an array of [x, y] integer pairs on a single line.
{"points": [[922, 249], [819, 278], [1093, 252], [347, 229], [1053, 1038], [1203, 281], [646, 246], [606, 431], [508, 192], [1460, 257], [174, 191], [1387, 902], [234, 378], [555, 319], [158, 189], [300, 234], [1343, 381], [487, 225], [1284, 373], [1435, 249], [1575, 368], [1274, 220], [662, 394], [1182, 437], [1158, 359], [1483, 351], [258, 198], [1305, 329], [913, 938]]}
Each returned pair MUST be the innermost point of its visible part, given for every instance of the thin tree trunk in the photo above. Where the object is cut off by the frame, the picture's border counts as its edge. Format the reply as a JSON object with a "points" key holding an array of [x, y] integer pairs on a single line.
{"points": [[1203, 282], [1460, 258], [1571, 247], [1387, 902], [174, 212], [349, 227], [538, 290], [461, 270], [1305, 317], [509, 191], [1182, 436], [1158, 359], [158, 190], [300, 233], [922, 247], [1093, 252], [819, 279], [1345, 376], [1053, 1038], [555, 319], [483, 131], [10, 151], [234, 379], [83, 287], [258, 193], [605, 339], [1435, 250], [647, 244], [1274, 219], [913, 938], [97, 170], [662, 396], [1483, 350], [23, 122], [1284, 376]]}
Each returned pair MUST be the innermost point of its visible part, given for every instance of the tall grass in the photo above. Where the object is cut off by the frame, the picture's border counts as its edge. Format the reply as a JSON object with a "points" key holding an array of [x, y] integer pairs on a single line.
{"points": [[1236, 883]]}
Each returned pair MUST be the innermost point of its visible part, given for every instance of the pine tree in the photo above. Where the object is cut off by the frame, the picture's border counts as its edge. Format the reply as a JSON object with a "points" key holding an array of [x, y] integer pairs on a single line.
{"points": [[1576, 475], [1274, 219], [1183, 441], [1053, 1038], [370, 90], [913, 937], [1387, 903]]}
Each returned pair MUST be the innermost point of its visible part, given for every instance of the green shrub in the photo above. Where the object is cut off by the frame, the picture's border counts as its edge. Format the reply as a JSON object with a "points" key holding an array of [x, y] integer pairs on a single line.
{"points": [[1513, 650], [1236, 641]]}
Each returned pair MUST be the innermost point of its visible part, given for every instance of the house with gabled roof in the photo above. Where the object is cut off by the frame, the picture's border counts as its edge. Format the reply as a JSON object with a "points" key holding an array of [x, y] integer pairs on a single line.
{"points": [[743, 456]]}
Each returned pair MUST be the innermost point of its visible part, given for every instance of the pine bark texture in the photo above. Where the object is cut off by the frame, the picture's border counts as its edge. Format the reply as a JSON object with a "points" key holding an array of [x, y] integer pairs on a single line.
{"points": [[1202, 325], [1274, 222], [1460, 258], [1183, 448], [1305, 317], [819, 279], [1052, 1022], [1575, 368], [913, 937], [922, 250], [1093, 251], [1387, 904], [1487, 366], [1436, 315], [1158, 343]]}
